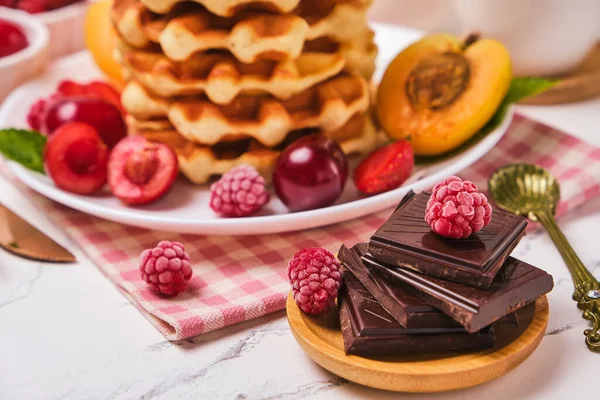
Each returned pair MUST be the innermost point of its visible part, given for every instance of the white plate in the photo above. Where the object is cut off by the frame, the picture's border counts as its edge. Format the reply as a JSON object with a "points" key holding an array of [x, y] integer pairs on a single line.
{"points": [[185, 209]]}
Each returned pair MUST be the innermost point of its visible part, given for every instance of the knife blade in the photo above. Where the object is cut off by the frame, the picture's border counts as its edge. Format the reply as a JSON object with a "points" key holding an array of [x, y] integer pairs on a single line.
{"points": [[22, 239]]}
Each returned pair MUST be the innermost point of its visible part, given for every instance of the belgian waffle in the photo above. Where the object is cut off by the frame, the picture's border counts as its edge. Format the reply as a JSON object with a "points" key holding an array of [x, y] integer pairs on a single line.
{"points": [[249, 36], [200, 162], [327, 106], [226, 8], [360, 54], [221, 77]]}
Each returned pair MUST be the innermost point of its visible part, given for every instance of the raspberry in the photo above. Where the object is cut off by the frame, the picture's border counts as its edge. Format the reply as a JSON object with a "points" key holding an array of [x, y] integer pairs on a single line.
{"points": [[37, 111], [239, 193], [314, 274], [456, 209], [166, 268], [34, 116]]}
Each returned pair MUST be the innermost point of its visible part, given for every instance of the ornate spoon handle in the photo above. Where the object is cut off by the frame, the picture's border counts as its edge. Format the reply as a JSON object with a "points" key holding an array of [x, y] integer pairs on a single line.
{"points": [[587, 288]]}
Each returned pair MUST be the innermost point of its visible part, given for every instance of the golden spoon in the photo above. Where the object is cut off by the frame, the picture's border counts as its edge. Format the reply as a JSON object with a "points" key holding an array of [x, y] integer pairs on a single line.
{"points": [[533, 192]]}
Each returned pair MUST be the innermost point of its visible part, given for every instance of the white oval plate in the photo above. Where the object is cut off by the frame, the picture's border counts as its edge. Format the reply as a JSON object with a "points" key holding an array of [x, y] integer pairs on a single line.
{"points": [[185, 209]]}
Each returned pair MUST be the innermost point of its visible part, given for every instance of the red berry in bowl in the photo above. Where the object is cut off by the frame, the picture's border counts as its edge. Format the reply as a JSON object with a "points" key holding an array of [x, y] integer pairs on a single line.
{"points": [[456, 209], [140, 172], [102, 115], [385, 169], [310, 173], [12, 38], [76, 158]]}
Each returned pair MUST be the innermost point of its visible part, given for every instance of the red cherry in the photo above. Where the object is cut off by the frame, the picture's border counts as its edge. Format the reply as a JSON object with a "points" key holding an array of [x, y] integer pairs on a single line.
{"points": [[140, 172], [12, 38], [386, 168], [99, 89], [105, 91], [76, 158], [69, 88], [100, 114], [310, 173]]}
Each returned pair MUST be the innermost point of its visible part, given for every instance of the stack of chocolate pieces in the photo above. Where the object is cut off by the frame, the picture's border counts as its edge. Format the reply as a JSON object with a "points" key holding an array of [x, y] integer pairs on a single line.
{"points": [[410, 290]]}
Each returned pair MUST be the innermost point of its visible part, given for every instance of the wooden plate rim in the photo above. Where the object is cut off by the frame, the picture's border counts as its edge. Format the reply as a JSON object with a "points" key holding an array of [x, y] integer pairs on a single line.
{"points": [[413, 376]]}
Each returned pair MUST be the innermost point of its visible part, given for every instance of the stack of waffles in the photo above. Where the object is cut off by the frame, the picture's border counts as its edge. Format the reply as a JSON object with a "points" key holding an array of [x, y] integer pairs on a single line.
{"points": [[230, 82]]}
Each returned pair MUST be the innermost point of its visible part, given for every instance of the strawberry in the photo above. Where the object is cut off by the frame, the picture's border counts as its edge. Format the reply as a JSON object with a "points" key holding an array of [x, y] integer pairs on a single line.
{"points": [[385, 169]]}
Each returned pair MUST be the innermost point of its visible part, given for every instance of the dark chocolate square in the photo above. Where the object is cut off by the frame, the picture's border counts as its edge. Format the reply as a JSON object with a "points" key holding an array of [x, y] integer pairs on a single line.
{"points": [[368, 330], [397, 298], [406, 240], [517, 284]]}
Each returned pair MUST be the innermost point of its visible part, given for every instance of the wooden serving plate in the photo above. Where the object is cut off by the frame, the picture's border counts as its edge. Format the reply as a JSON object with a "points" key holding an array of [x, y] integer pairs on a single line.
{"points": [[321, 338]]}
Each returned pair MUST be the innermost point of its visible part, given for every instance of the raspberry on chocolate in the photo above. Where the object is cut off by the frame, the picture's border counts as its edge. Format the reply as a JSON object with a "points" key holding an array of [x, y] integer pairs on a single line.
{"points": [[166, 268], [456, 209], [314, 274], [240, 192]]}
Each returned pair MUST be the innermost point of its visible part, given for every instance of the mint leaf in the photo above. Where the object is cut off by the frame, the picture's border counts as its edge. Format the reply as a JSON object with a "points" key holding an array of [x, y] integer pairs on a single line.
{"points": [[23, 146], [519, 89]]}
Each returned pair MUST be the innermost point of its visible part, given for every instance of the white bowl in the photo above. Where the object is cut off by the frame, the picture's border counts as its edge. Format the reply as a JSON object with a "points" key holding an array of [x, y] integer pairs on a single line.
{"points": [[29, 62], [66, 26]]}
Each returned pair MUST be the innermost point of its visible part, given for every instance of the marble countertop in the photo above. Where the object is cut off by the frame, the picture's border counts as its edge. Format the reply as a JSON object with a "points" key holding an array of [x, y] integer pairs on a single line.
{"points": [[67, 333]]}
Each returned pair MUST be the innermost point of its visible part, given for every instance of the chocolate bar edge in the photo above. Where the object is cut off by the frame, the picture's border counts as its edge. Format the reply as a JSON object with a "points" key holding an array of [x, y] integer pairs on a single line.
{"points": [[355, 344], [388, 252], [459, 308], [398, 314], [351, 257]]}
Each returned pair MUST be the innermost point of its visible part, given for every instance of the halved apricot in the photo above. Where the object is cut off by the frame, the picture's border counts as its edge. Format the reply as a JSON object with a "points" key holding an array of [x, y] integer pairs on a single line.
{"points": [[440, 91]]}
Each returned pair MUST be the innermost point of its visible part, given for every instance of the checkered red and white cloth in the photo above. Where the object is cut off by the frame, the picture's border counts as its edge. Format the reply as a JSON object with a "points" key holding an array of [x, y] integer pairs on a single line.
{"points": [[240, 278]]}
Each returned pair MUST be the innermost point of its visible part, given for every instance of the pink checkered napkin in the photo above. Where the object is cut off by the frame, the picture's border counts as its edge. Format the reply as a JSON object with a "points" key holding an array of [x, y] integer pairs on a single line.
{"points": [[240, 278]]}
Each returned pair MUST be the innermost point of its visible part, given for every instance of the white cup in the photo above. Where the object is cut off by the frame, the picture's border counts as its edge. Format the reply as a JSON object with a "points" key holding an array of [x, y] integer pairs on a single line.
{"points": [[544, 37], [427, 15]]}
